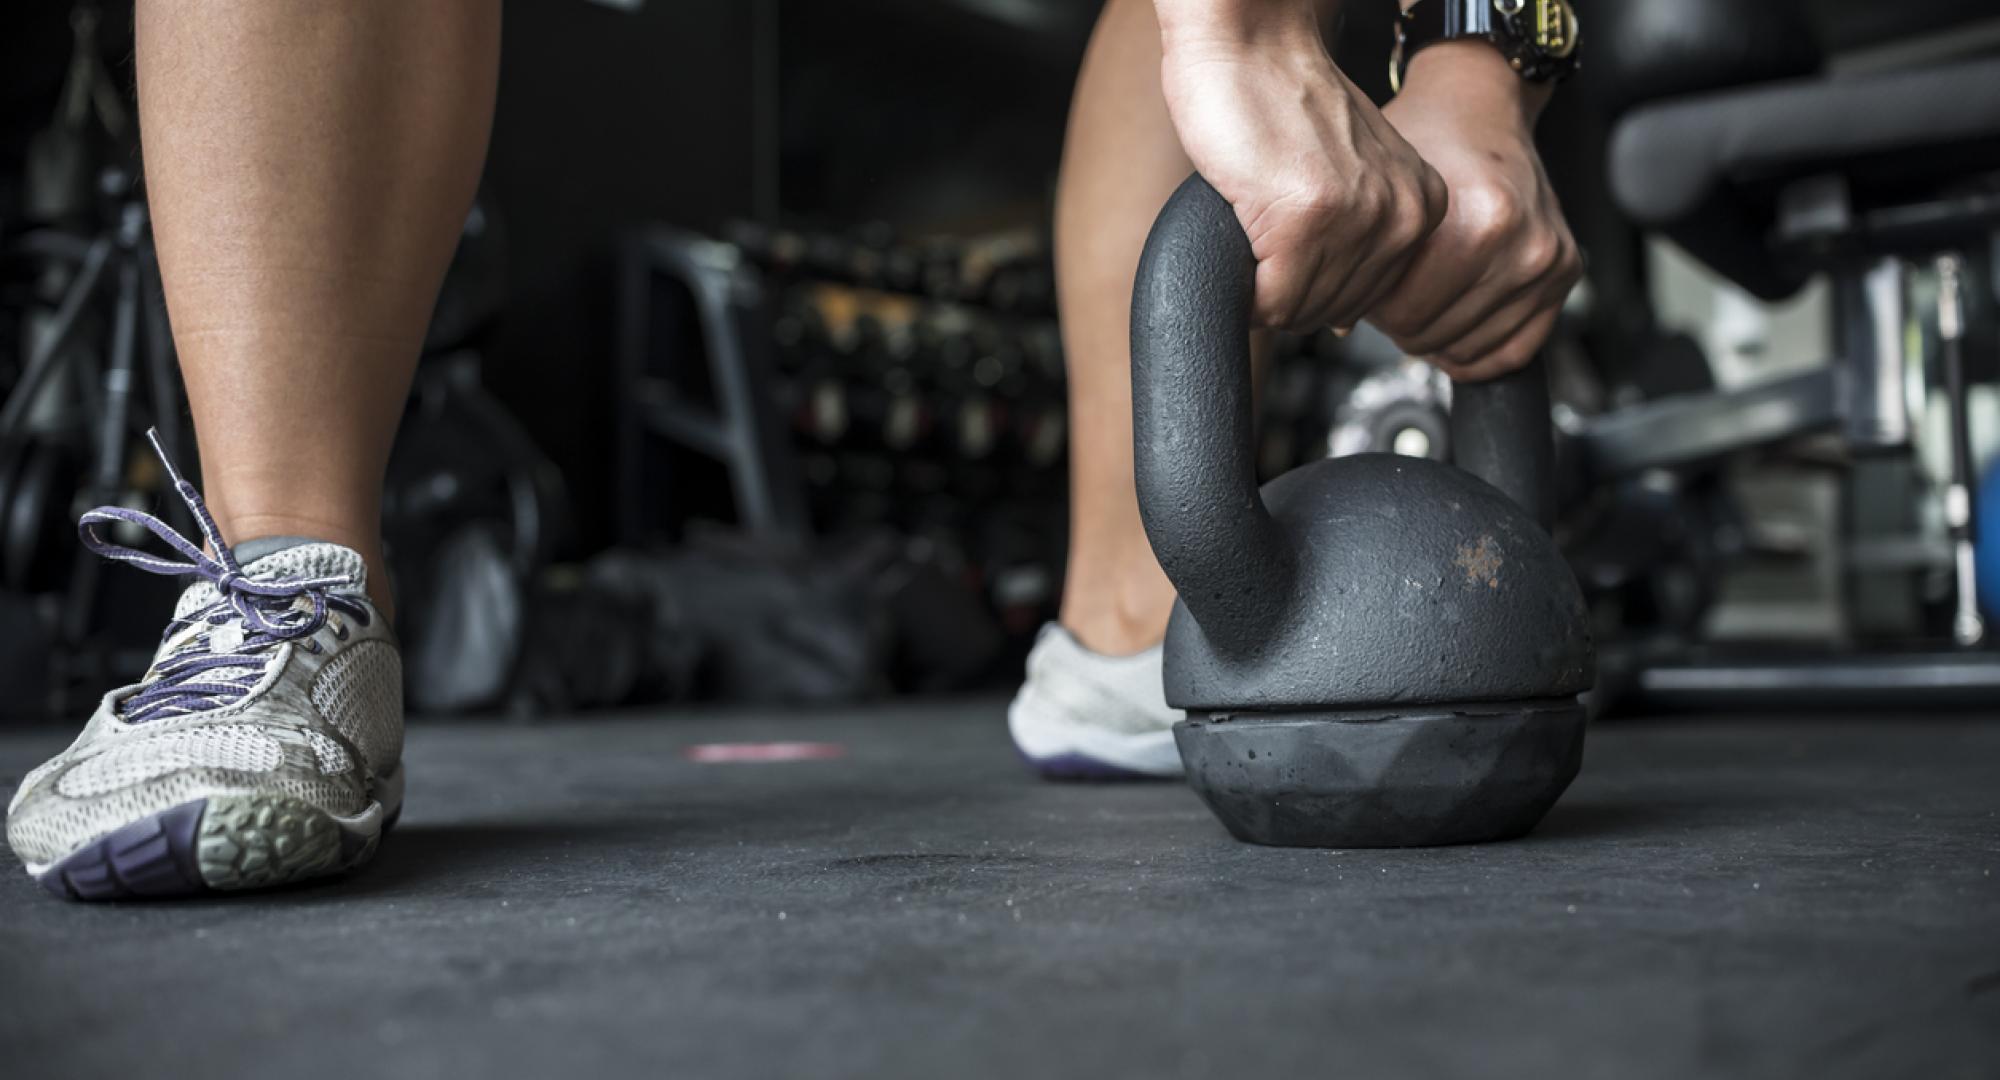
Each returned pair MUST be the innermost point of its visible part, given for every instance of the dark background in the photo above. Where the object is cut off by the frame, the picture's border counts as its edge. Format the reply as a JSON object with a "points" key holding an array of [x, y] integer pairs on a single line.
{"points": [[932, 116], [935, 116], [928, 123]]}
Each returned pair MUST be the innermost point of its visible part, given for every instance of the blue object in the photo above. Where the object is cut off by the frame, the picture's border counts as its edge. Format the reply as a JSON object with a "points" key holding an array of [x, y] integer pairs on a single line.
{"points": [[1987, 521]]}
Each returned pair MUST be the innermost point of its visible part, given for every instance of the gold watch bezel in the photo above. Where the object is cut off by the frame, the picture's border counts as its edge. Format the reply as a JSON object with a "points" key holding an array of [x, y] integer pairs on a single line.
{"points": [[1560, 15]]}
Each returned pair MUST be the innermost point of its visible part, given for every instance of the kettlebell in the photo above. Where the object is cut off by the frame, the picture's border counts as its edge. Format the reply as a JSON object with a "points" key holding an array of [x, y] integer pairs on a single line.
{"points": [[1372, 651]]}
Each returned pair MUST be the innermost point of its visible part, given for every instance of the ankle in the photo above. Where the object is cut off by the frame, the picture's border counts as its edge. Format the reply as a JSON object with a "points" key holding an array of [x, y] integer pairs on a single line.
{"points": [[241, 529], [1118, 621]]}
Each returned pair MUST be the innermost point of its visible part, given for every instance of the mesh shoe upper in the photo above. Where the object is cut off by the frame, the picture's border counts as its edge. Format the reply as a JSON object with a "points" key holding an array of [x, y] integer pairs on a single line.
{"points": [[278, 677], [318, 726], [1081, 714], [1120, 694]]}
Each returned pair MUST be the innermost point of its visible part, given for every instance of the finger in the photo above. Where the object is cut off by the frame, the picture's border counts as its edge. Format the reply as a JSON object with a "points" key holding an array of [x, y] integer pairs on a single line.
{"points": [[1393, 243], [1334, 298], [1451, 284], [1463, 312], [1437, 196], [1401, 276], [1302, 291], [1442, 277], [1539, 265], [1281, 291], [1431, 185], [1392, 247], [1512, 354], [1365, 289], [1548, 292], [1323, 306]]}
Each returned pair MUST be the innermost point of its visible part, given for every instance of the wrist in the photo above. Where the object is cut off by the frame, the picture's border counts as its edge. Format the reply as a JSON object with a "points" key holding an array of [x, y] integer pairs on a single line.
{"points": [[1204, 25], [1472, 76]]}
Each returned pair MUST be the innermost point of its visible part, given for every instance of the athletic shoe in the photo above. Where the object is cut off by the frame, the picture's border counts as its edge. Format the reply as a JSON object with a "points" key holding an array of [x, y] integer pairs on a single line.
{"points": [[263, 746], [1081, 715]]}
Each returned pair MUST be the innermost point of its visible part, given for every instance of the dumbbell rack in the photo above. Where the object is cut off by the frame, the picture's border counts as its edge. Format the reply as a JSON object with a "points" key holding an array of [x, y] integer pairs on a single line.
{"points": [[854, 383], [925, 388], [726, 313]]}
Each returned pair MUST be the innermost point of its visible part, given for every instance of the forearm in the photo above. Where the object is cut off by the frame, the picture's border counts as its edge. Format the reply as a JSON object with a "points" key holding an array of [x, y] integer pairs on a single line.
{"points": [[1241, 23]]}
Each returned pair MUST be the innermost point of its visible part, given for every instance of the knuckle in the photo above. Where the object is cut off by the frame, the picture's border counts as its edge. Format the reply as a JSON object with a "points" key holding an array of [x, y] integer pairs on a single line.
{"points": [[1296, 313], [1541, 254], [1410, 320], [1517, 352], [1491, 212], [1437, 196], [1372, 201], [1274, 311], [1276, 302], [1571, 267], [1410, 221], [1399, 233]]}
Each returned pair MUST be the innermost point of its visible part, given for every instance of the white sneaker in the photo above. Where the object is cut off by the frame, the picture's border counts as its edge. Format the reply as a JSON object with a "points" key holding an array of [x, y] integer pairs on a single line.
{"points": [[1081, 715], [263, 747]]}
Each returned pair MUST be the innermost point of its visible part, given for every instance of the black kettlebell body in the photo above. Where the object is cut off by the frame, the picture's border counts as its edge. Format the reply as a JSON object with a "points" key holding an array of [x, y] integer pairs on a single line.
{"points": [[1373, 650]]}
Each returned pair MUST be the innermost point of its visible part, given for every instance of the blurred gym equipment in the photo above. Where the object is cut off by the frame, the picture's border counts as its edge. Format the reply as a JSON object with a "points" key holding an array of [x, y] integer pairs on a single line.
{"points": [[472, 510], [719, 305], [1732, 143], [812, 385], [96, 368]]}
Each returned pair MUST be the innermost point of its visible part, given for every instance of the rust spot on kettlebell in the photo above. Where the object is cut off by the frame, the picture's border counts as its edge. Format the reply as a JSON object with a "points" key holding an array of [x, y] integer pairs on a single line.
{"points": [[1481, 562]]}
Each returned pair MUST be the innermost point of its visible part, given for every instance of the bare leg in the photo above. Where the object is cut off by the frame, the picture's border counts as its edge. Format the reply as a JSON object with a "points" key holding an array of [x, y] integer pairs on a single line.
{"points": [[309, 166], [1121, 159]]}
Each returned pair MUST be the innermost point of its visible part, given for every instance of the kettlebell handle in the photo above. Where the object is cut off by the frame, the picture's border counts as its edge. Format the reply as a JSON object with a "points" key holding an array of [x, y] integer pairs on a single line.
{"points": [[1193, 424]]}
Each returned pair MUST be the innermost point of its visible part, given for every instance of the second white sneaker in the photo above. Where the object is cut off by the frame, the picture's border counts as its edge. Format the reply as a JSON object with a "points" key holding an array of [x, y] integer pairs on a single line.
{"points": [[1081, 715]]}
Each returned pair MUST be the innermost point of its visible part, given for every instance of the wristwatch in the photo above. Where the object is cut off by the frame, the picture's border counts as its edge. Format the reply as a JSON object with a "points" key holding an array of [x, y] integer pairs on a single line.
{"points": [[1538, 37]]}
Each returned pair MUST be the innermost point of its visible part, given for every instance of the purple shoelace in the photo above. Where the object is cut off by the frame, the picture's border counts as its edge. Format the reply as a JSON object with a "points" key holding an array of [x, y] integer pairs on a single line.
{"points": [[201, 673]]}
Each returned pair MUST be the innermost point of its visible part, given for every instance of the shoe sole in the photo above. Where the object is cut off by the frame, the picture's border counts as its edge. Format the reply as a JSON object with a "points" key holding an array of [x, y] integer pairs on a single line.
{"points": [[1058, 748], [1082, 768], [223, 843]]}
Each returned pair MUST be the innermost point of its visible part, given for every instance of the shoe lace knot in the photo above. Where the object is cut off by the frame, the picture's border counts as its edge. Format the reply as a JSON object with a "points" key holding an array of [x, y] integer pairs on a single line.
{"points": [[238, 632]]}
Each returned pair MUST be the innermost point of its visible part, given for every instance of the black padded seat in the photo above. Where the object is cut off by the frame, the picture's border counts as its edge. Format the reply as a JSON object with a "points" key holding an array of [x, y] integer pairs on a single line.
{"points": [[1707, 168]]}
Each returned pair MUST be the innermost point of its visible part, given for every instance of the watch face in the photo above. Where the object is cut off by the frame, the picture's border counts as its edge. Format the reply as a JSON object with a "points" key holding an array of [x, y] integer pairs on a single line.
{"points": [[1555, 27], [1537, 37]]}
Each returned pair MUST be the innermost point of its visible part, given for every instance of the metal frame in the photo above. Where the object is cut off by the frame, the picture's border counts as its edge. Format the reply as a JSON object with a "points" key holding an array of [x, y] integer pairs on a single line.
{"points": [[1862, 394], [119, 262], [742, 429]]}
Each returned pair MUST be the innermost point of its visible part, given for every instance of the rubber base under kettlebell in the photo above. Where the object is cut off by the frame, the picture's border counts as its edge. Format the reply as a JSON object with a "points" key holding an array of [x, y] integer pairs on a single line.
{"points": [[1409, 777]]}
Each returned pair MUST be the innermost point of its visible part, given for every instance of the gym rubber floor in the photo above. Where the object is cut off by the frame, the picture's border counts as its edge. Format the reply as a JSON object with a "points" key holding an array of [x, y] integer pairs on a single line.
{"points": [[1723, 898]]}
